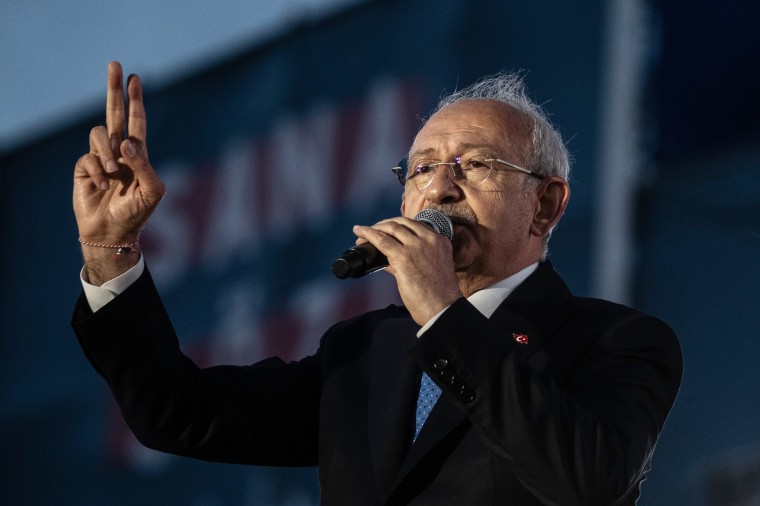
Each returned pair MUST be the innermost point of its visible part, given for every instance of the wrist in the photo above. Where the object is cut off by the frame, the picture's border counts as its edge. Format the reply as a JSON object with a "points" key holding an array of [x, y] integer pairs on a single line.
{"points": [[104, 262], [119, 248]]}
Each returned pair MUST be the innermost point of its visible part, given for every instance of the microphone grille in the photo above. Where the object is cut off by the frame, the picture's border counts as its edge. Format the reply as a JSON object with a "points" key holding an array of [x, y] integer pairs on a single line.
{"points": [[437, 221]]}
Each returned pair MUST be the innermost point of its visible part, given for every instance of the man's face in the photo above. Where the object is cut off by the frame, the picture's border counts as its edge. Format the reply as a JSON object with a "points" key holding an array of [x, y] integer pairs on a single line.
{"points": [[492, 238]]}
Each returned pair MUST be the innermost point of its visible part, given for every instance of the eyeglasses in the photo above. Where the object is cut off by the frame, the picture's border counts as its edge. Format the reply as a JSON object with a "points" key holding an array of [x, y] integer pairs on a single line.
{"points": [[471, 170]]}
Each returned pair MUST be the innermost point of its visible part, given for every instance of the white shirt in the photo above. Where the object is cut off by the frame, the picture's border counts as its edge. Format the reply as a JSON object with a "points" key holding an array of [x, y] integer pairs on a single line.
{"points": [[486, 300], [99, 296]]}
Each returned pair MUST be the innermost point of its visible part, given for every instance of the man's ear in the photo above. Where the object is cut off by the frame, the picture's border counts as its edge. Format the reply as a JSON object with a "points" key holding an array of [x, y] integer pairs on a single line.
{"points": [[552, 195]]}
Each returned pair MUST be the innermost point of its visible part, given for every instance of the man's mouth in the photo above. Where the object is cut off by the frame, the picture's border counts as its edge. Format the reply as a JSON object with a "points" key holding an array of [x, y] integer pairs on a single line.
{"points": [[461, 222]]}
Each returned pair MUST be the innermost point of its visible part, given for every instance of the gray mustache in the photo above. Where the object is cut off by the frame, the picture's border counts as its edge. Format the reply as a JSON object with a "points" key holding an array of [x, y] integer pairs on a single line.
{"points": [[456, 211]]}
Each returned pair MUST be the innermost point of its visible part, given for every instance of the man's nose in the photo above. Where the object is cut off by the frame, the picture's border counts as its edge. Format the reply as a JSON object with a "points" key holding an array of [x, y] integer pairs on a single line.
{"points": [[444, 188]]}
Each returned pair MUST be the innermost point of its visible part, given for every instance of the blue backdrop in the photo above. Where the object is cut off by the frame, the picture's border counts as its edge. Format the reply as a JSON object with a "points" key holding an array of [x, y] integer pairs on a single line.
{"points": [[276, 152]]}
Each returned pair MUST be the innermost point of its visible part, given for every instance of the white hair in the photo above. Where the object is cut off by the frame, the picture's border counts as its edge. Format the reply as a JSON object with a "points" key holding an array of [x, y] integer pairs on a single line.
{"points": [[548, 155]]}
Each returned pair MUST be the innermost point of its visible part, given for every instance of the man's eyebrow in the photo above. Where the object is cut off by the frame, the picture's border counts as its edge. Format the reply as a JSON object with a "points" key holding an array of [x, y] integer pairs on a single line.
{"points": [[474, 147], [463, 148], [422, 152]]}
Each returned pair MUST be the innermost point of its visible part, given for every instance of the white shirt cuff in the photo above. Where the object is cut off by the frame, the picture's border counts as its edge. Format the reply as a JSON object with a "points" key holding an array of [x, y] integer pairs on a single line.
{"points": [[99, 296], [431, 321]]}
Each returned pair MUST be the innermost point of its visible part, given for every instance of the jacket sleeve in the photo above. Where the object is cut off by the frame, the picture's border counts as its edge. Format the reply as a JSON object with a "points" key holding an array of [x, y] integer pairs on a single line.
{"points": [[577, 419], [264, 414]]}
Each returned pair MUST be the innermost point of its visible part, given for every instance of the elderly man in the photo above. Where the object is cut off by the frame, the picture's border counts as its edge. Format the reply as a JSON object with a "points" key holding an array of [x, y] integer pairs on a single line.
{"points": [[492, 384]]}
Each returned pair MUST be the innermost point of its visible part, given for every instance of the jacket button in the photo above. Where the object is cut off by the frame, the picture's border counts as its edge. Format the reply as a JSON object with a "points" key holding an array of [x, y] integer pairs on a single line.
{"points": [[448, 375], [467, 396], [441, 364]]}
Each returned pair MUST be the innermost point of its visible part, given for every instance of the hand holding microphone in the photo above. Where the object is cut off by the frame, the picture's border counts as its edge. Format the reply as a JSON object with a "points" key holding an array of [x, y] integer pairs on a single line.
{"points": [[365, 258]]}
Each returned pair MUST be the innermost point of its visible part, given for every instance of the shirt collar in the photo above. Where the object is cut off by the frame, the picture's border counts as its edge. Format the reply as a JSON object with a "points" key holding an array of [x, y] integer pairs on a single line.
{"points": [[488, 299]]}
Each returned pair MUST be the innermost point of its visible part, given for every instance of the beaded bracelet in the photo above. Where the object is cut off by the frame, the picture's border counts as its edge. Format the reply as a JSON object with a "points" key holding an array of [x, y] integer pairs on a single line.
{"points": [[120, 248]]}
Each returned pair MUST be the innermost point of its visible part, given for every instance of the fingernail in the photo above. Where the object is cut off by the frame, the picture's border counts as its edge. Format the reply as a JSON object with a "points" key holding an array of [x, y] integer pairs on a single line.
{"points": [[111, 166], [129, 147], [104, 185]]}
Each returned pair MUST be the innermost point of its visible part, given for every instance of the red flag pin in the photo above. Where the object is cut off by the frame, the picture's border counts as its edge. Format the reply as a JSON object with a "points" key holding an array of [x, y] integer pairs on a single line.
{"points": [[520, 338]]}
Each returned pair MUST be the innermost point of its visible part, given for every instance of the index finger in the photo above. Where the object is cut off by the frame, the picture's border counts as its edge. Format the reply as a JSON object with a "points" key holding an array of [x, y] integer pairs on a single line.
{"points": [[115, 105], [137, 126]]}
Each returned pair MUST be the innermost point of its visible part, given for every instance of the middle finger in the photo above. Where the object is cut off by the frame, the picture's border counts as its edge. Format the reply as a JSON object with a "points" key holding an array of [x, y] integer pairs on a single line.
{"points": [[137, 123]]}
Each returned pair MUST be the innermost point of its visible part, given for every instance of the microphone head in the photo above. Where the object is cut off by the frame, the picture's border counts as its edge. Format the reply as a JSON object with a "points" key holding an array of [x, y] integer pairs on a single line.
{"points": [[437, 221]]}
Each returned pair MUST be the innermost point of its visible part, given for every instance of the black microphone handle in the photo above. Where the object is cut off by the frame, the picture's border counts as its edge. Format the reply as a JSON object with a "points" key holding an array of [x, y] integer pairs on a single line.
{"points": [[365, 258], [360, 260]]}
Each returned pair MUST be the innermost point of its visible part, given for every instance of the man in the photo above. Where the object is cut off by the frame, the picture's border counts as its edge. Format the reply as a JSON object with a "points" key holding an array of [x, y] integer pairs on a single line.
{"points": [[545, 398]]}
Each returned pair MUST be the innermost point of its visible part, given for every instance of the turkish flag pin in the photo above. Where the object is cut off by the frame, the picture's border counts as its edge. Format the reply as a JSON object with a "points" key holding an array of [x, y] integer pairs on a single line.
{"points": [[520, 338]]}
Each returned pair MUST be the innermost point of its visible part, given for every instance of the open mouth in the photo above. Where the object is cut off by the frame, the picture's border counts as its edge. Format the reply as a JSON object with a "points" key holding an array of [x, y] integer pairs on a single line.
{"points": [[462, 222], [463, 229]]}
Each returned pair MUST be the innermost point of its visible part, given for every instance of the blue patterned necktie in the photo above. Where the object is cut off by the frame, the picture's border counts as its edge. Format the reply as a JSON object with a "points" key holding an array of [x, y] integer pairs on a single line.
{"points": [[429, 393]]}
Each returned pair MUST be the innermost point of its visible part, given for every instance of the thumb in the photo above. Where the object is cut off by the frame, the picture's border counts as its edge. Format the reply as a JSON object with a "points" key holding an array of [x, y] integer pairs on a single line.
{"points": [[135, 156], [132, 150]]}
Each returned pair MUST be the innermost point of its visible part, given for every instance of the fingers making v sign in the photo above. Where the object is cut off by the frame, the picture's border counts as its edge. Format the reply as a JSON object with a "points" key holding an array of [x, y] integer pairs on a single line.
{"points": [[115, 186]]}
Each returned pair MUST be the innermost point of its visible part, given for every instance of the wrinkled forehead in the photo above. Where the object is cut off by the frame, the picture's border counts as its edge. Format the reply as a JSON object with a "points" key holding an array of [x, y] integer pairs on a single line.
{"points": [[476, 123]]}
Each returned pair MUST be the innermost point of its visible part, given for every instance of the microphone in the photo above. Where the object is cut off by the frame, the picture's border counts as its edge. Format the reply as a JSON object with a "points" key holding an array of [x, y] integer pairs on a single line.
{"points": [[365, 258]]}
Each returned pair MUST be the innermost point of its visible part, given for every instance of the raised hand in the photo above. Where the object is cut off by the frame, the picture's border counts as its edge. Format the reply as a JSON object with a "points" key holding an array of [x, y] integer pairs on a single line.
{"points": [[115, 186]]}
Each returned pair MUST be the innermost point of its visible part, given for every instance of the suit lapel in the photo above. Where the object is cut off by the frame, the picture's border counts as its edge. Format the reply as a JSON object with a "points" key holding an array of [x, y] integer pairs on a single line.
{"points": [[392, 397], [532, 312], [531, 315]]}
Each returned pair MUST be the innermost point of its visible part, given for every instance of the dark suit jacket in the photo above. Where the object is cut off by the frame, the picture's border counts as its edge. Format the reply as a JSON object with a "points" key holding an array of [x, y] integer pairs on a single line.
{"points": [[555, 399]]}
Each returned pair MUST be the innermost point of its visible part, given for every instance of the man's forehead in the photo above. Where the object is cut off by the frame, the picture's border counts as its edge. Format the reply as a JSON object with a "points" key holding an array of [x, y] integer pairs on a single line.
{"points": [[470, 124], [461, 148]]}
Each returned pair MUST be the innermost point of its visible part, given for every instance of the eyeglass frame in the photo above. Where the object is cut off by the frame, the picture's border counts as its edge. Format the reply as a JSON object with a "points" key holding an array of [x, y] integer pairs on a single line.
{"points": [[403, 168]]}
